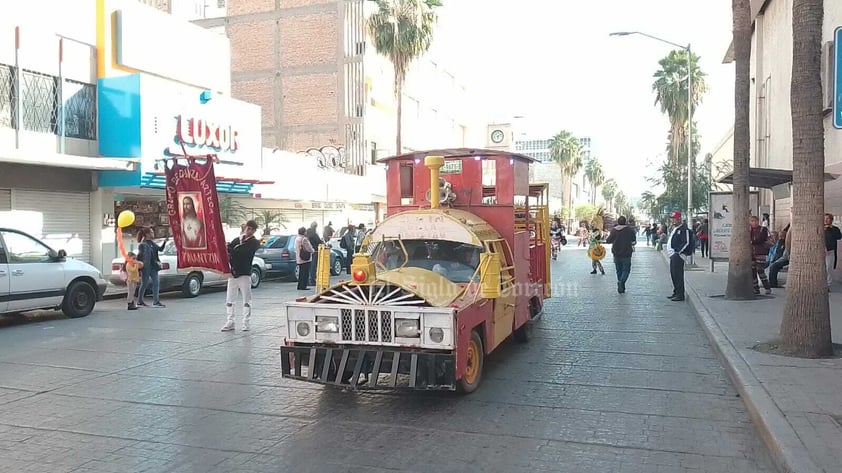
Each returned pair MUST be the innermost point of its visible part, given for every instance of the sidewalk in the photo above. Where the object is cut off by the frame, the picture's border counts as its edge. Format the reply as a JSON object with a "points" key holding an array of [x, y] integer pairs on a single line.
{"points": [[795, 404]]}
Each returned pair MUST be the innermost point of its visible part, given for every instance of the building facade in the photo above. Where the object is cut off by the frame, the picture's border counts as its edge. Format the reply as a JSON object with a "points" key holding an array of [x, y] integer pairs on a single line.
{"points": [[771, 114]]}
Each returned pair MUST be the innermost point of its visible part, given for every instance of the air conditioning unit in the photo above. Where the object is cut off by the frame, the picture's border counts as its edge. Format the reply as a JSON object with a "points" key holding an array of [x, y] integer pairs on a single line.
{"points": [[499, 136], [828, 75]]}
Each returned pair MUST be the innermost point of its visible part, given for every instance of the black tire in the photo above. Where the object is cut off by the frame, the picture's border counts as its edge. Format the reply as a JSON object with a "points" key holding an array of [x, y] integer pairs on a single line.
{"points": [[256, 276], [524, 333], [79, 300], [465, 385], [336, 267], [192, 285]]}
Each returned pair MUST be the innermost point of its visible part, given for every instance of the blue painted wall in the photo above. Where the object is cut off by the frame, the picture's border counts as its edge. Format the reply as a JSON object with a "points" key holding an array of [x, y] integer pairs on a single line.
{"points": [[119, 126]]}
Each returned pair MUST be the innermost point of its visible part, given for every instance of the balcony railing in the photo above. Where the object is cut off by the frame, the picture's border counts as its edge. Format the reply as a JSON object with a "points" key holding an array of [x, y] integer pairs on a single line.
{"points": [[47, 104]]}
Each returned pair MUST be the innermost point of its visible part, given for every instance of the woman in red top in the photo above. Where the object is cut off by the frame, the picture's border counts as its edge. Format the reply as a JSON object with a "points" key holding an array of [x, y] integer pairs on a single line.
{"points": [[702, 235]]}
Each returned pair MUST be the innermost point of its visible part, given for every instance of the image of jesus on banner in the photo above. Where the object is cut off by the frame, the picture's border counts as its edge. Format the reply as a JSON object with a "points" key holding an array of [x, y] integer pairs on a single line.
{"points": [[192, 221]]}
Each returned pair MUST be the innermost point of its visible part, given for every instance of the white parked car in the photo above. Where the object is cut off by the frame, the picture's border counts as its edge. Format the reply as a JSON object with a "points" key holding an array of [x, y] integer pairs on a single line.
{"points": [[190, 284], [35, 276]]}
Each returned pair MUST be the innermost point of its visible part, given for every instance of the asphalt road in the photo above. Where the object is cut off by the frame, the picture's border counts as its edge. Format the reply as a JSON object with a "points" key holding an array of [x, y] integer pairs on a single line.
{"points": [[610, 383]]}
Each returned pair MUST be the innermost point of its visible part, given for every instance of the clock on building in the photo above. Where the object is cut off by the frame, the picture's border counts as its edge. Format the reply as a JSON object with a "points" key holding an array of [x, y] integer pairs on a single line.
{"points": [[497, 136]]}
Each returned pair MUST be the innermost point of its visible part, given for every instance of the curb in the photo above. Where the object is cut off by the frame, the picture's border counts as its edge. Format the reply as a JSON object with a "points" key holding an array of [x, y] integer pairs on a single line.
{"points": [[785, 447]]}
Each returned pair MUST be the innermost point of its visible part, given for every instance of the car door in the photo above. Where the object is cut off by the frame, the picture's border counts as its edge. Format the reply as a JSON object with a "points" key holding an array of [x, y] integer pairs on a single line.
{"points": [[4, 279], [36, 276]]}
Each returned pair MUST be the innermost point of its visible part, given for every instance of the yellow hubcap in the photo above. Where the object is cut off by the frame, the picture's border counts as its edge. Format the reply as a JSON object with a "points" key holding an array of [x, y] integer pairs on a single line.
{"points": [[473, 363]]}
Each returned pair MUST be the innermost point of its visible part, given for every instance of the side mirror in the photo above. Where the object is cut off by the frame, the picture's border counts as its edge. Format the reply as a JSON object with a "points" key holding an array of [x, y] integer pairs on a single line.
{"points": [[61, 254], [490, 281]]}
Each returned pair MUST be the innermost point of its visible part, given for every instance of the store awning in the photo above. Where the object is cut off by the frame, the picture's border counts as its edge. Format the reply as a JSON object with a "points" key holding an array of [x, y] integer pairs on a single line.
{"points": [[766, 178], [91, 163], [157, 180]]}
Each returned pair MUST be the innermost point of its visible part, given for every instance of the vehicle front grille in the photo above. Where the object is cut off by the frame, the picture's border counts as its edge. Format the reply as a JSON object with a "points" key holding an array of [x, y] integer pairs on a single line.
{"points": [[367, 325]]}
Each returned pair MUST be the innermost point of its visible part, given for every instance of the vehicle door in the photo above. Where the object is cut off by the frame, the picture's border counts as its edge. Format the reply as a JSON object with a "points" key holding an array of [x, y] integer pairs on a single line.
{"points": [[36, 275], [4, 279]]}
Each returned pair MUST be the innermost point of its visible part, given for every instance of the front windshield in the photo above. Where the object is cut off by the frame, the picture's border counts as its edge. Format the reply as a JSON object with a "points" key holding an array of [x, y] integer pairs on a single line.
{"points": [[454, 260]]}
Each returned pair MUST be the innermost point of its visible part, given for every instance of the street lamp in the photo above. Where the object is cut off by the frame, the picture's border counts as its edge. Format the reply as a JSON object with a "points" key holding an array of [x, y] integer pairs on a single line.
{"points": [[689, 112]]}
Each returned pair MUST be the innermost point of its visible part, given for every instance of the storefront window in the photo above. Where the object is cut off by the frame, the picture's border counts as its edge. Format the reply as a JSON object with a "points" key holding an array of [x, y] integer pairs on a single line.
{"points": [[39, 97], [79, 110]]}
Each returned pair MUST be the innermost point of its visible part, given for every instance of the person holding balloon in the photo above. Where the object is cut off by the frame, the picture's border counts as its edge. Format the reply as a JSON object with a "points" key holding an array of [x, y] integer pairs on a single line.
{"points": [[133, 267], [148, 255]]}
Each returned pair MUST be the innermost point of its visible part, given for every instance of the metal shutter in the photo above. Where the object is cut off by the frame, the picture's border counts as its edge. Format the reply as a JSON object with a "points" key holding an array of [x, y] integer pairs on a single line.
{"points": [[65, 214], [5, 200]]}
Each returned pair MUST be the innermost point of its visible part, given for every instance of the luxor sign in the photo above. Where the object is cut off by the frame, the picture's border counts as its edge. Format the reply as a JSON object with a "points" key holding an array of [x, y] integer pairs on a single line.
{"points": [[220, 137]]}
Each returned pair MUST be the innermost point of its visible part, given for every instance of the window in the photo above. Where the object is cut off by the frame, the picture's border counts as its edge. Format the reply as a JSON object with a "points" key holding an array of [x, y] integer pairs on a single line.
{"points": [[79, 110], [407, 187], [25, 249], [2, 252], [373, 153], [7, 96], [454, 260], [40, 102]]}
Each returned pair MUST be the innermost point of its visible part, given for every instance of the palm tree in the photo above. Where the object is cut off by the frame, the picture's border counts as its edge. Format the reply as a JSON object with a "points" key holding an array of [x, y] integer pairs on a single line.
{"points": [[402, 30], [620, 201], [231, 212], [739, 286], [593, 171], [566, 151], [609, 189], [805, 328], [670, 89], [271, 220], [648, 201]]}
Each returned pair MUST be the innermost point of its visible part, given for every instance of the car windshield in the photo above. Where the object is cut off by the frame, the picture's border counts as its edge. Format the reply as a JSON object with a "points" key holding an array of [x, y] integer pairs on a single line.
{"points": [[169, 249], [454, 260]]}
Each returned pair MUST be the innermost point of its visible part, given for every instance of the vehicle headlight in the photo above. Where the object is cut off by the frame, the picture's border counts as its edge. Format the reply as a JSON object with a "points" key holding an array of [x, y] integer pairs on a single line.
{"points": [[436, 334], [303, 329], [407, 328], [327, 324]]}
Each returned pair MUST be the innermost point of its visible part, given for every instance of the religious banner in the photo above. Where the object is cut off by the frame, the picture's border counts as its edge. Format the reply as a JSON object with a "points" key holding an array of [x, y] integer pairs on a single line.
{"points": [[193, 210]]}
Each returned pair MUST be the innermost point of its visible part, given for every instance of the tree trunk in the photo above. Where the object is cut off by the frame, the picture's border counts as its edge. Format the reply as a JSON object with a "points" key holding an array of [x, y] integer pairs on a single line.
{"points": [[740, 274], [805, 329], [399, 99]]}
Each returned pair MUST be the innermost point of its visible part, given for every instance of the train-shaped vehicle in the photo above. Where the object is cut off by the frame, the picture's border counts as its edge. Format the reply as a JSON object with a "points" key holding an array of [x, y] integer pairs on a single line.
{"points": [[460, 263]]}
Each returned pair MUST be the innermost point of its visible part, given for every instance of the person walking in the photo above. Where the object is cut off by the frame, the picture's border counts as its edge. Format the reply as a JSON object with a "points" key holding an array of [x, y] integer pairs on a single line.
{"points": [[313, 235], [133, 267], [759, 251], [679, 247], [594, 241], [348, 242], [303, 256], [622, 239], [832, 235], [148, 255], [241, 252]]}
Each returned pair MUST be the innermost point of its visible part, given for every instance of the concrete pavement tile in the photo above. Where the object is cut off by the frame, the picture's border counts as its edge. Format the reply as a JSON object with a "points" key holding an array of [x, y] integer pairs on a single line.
{"points": [[40, 378], [82, 360]]}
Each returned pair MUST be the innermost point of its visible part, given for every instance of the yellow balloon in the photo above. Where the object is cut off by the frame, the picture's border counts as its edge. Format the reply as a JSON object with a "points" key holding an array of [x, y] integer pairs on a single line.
{"points": [[125, 219]]}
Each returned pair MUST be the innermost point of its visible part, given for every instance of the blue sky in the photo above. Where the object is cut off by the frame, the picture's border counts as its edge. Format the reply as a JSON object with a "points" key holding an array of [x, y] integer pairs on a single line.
{"points": [[553, 62]]}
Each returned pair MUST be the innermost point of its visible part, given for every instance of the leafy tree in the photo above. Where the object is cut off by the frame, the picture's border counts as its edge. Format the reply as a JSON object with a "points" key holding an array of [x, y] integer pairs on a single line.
{"points": [[609, 189], [402, 31], [271, 220], [231, 212], [595, 175]]}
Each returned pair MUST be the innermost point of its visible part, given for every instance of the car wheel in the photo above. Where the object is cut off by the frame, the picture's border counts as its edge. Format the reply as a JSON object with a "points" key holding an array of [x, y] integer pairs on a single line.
{"points": [[256, 276], [192, 285], [79, 300], [336, 269]]}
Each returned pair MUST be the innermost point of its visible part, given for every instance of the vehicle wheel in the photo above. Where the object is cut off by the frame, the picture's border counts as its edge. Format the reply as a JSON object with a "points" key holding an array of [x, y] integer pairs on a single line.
{"points": [[336, 269], [79, 300], [192, 285], [473, 372], [256, 276], [524, 333]]}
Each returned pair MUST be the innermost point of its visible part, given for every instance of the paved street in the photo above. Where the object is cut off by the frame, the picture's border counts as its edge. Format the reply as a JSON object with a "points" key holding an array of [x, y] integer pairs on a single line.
{"points": [[611, 383]]}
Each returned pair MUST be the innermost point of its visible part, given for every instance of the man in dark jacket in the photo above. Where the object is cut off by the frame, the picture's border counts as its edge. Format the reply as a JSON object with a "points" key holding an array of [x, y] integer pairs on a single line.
{"points": [[679, 247], [832, 235], [313, 235], [241, 252], [622, 239]]}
